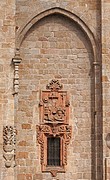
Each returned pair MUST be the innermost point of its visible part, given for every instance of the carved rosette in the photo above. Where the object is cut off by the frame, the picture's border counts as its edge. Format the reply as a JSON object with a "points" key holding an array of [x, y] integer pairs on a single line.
{"points": [[54, 121], [9, 140]]}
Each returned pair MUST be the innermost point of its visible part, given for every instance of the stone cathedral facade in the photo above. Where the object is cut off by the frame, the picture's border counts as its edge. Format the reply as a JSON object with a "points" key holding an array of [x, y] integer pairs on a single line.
{"points": [[54, 90]]}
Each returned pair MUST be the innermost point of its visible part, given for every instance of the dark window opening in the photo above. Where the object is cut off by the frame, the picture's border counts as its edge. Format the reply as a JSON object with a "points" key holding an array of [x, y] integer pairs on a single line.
{"points": [[53, 151]]}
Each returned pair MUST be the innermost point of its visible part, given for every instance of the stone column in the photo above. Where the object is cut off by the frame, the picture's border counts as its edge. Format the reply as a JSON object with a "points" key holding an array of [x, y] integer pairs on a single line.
{"points": [[98, 125]]}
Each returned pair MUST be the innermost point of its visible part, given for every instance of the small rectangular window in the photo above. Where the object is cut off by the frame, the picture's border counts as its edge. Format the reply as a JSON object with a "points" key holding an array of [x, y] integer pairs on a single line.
{"points": [[53, 151]]}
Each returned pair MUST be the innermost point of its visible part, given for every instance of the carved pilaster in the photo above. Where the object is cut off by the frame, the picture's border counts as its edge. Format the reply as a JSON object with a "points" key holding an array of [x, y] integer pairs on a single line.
{"points": [[16, 60], [9, 140]]}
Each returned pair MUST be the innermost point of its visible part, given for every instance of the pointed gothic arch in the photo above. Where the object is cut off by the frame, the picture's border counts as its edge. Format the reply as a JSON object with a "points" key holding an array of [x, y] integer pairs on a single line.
{"points": [[36, 17]]}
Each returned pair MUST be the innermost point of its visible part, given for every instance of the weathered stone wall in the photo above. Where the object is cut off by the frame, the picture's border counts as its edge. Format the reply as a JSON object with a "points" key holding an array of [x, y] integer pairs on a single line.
{"points": [[7, 47], [55, 48]]}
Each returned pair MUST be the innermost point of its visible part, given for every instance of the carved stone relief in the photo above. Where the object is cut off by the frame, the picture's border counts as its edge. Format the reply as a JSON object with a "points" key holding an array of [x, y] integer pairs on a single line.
{"points": [[9, 140], [63, 131], [54, 122], [54, 104]]}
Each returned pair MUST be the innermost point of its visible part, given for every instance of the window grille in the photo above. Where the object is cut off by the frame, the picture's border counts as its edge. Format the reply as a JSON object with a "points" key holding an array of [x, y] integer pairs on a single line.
{"points": [[53, 151]]}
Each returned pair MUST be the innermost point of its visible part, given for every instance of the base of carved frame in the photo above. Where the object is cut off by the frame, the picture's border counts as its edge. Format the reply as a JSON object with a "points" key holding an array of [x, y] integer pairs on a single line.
{"points": [[61, 131], [54, 171]]}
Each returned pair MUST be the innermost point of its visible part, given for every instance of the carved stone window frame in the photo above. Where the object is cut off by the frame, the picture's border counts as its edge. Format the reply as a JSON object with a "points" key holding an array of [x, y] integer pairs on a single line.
{"points": [[53, 124], [61, 131]]}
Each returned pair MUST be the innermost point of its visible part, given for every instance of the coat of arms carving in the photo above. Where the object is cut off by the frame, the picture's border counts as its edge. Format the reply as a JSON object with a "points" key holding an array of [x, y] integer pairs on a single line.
{"points": [[54, 104]]}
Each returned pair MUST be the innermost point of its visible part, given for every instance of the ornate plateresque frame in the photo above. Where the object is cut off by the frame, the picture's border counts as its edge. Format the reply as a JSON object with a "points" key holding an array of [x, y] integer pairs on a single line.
{"points": [[54, 121]]}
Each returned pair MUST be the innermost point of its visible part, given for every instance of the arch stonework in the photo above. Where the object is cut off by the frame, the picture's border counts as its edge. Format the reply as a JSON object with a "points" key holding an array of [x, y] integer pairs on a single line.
{"points": [[96, 63], [36, 17]]}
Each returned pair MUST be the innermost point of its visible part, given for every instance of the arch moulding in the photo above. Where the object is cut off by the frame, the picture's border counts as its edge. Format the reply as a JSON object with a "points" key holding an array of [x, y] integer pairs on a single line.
{"points": [[36, 17]]}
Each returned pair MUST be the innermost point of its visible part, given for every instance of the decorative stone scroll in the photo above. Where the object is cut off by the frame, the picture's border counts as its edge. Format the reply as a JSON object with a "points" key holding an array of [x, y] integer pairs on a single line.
{"points": [[54, 122], [9, 140]]}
